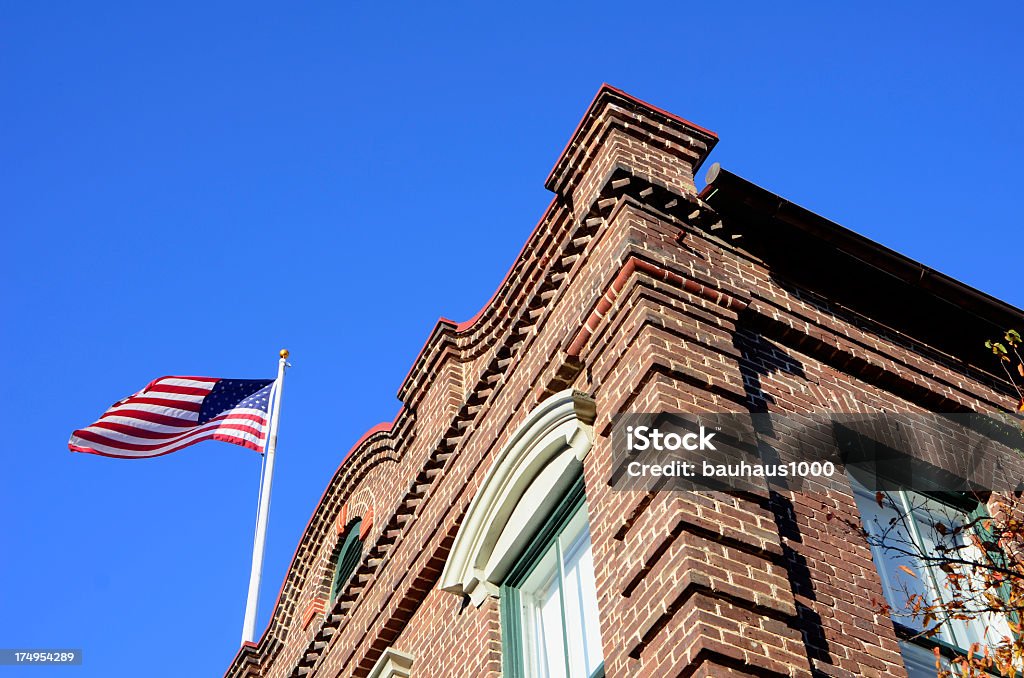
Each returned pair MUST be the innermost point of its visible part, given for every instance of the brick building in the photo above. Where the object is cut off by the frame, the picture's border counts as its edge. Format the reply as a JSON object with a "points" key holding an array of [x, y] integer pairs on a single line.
{"points": [[478, 535]]}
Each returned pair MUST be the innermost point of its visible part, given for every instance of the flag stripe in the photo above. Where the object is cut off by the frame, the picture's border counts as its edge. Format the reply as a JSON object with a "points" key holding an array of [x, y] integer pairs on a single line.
{"points": [[104, 451], [154, 417], [117, 422], [125, 442], [173, 408], [169, 395], [202, 382], [134, 421], [236, 416], [132, 430], [106, 428], [180, 390], [184, 405]]}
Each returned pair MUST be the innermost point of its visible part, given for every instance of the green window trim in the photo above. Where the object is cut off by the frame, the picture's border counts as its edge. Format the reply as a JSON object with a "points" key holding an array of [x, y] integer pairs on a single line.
{"points": [[349, 554], [511, 643], [512, 647], [998, 558], [548, 533]]}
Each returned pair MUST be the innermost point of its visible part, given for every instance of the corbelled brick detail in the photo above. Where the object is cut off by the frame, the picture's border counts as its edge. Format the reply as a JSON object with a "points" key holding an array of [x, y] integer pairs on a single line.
{"points": [[633, 289], [313, 608], [619, 131], [367, 524], [342, 521]]}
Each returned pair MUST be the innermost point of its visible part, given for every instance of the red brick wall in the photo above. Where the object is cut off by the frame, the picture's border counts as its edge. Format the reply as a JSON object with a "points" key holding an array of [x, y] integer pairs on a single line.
{"points": [[688, 584]]}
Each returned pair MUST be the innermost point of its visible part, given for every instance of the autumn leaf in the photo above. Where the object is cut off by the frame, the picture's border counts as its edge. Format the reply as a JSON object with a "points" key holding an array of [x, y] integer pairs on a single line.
{"points": [[879, 497], [908, 571], [880, 606], [996, 348]]}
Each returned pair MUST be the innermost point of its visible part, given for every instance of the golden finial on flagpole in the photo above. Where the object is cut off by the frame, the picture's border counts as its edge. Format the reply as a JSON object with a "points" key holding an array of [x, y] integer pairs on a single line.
{"points": [[284, 354]]}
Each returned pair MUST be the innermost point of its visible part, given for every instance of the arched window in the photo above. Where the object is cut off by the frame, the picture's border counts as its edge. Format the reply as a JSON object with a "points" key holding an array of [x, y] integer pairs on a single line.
{"points": [[349, 554], [525, 540]]}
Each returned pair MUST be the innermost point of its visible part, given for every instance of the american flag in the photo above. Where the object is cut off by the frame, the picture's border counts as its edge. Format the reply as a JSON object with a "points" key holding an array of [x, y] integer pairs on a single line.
{"points": [[175, 412]]}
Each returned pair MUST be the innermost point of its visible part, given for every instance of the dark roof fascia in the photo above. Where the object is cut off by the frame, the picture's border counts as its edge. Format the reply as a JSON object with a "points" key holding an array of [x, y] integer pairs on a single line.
{"points": [[725, 190]]}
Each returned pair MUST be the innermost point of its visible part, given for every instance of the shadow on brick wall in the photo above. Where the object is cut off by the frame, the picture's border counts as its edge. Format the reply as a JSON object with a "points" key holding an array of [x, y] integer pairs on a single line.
{"points": [[760, 358]]}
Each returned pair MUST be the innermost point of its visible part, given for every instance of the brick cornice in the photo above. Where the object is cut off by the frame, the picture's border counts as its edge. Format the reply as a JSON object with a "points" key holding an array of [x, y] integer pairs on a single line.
{"points": [[633, 265], [628, 277]]}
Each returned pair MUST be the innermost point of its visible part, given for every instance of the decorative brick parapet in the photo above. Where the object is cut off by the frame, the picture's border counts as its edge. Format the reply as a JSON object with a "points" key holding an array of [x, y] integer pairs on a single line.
{"points": [[621, 131]]}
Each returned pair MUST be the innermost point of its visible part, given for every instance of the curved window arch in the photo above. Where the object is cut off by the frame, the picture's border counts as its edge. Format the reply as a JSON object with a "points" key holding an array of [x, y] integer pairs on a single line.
{"points": [[349, 554], [525, 540], [527, 480]]}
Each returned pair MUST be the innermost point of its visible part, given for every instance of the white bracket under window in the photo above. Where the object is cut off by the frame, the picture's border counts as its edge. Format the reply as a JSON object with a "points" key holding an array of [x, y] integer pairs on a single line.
{"points": [[392, 664]]}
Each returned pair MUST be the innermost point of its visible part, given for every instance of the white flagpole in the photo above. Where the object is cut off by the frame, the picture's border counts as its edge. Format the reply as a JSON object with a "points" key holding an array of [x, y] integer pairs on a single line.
{"points": [[249, 626]]}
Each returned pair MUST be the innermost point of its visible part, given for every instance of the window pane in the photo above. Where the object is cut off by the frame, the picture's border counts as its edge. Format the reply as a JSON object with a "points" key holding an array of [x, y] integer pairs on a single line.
{"points": [[542, 619], [919, 661], [932, 528], [897, 585], [580, 592], [928, 514]]}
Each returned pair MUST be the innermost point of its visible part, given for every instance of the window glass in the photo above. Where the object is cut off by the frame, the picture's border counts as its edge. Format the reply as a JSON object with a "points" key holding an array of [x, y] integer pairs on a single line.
{"points": [[553, 593], [897, 584], [919, 661], [580, 591], [541, 603]]}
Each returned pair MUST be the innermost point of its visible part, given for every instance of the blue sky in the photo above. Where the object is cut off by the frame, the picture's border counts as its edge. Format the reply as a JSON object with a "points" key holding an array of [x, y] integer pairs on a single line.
{"points": [[187, 189]]}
